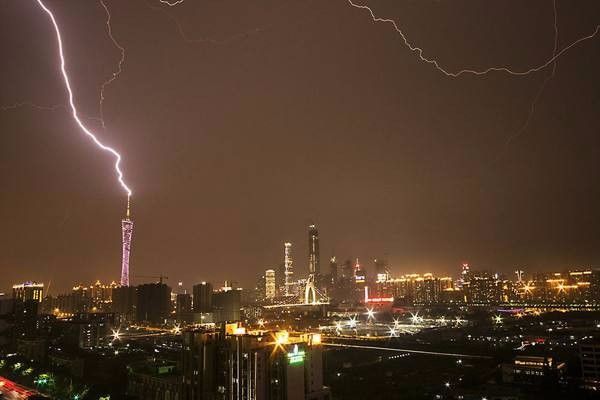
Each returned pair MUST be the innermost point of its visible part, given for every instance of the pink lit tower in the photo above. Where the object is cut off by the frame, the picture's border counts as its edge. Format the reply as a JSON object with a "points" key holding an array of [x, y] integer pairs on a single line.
{"points": [[127, 228]]}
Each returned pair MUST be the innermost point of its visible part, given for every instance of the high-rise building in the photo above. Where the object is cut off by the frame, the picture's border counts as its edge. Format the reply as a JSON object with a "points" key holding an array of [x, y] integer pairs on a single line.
{"points": [[127, 231], [382, 272], [289, 269], [482, 288], [183, 303], [81, 299], [280, 279], [27, 299], [227, 303], [203, 375], [314, 267], [293, 370], [589, 354], [333, 269], [348, 270], [202, 297], [124, 302], [84, 330], [29, 291], [236, 365], [153, 379], [360, 275], [269, 284], [153, 302]]}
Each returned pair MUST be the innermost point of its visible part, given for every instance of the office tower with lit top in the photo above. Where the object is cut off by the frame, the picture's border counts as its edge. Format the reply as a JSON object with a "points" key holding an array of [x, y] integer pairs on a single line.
{"points": [[202, 297], [127, 229], [314, 268], [270, 284], [27, 304], [28, 291], [288, 269]]}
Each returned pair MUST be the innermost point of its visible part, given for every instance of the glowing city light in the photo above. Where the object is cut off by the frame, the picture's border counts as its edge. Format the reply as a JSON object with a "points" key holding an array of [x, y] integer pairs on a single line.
{"points": [[338, 326], [316, 339], [352, 322], [436, 64], [282, 337], [392, 332], [370, 314], [296, 356], [497, 319], [176, 329], [528, 288], [116, 334], [73, 107], [415, 318]]}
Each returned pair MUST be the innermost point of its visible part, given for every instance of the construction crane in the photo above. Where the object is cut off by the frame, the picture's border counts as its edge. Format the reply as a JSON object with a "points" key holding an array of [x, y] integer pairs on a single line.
{"points": [[160, 277]]}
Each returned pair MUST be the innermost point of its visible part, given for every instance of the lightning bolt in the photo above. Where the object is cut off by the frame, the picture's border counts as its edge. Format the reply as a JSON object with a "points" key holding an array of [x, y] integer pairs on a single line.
{"points": [[73, 108], [119, 69], [32, 105], [39, 107], [436, 64], [171, 4], [186, 38], [538, 95]]}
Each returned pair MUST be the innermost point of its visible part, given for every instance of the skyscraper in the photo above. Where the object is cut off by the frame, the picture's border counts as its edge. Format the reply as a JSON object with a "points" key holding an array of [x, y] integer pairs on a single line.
{"points": [[127, 229], [28, 291], [381, 270], [270, 284], [313, 252], [153, 303], [203, 294], [226, 304], [289, 269]]}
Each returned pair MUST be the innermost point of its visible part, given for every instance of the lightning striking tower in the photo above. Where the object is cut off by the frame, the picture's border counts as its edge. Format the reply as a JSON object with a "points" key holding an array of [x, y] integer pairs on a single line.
{"points": [[73, 107], [127, 229], [126, 223]]}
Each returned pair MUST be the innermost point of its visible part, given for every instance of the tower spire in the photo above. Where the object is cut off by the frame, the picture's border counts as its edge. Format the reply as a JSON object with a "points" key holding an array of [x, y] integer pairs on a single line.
{"points": [[128, 205]]}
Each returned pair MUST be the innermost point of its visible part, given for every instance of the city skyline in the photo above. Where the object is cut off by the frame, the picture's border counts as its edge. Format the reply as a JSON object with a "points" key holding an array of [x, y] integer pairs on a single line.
{"points": [[237, 144], [298, 271]]}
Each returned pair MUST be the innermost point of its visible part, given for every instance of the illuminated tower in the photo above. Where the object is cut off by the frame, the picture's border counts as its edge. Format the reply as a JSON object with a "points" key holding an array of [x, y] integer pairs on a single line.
{"points": [[289, 269], [127, 229], [270, 284], [313, 252]]}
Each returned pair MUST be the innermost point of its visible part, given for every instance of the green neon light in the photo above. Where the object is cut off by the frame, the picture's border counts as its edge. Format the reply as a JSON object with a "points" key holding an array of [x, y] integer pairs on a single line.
{"points": [[296, 357]]}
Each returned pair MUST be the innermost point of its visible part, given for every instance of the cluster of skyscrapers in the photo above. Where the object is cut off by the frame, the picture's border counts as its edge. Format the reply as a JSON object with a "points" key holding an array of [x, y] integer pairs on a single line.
{"points": [[351, 283]]}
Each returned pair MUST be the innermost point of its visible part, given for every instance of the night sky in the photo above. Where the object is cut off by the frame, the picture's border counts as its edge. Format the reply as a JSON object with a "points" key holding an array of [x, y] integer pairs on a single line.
{"points": [[296, 112]]}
